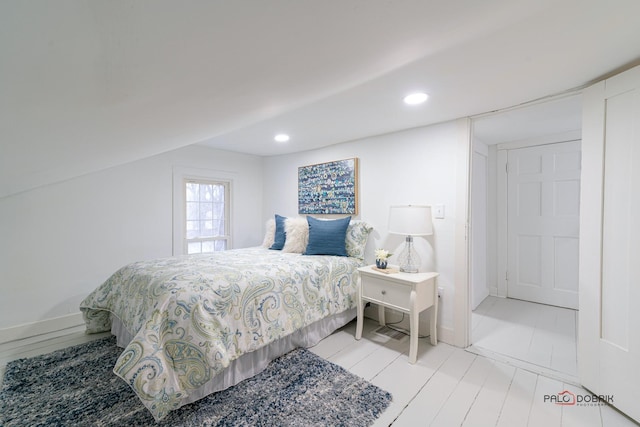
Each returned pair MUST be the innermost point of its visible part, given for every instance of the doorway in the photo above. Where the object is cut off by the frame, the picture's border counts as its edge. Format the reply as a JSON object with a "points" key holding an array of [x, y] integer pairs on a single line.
{"points": [[525, 219]]}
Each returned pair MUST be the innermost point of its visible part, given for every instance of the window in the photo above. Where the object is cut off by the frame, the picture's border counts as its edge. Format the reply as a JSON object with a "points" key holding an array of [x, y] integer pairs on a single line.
{"points": [[206, 216]]}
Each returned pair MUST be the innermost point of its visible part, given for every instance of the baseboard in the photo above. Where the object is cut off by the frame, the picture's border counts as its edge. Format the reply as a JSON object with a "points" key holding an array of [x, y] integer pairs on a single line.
{"points": [[446, 335], [41, 327]]}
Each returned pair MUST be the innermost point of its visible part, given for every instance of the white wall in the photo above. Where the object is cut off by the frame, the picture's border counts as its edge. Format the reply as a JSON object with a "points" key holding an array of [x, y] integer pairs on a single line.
{"points": [[61, 241], [416, 166]]}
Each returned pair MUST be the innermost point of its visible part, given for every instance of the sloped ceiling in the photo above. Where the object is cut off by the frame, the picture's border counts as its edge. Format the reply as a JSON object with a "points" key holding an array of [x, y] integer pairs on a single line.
{"points": [[86, 85]]}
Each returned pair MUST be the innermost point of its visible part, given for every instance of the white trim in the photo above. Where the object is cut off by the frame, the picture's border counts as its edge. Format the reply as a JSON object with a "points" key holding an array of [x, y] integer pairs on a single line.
{"points": [[479, 231], [574, 135], [501, 215], [591, 225], [462, 301], [446, 335], [41, 327], [480, 147], [492, 222]]}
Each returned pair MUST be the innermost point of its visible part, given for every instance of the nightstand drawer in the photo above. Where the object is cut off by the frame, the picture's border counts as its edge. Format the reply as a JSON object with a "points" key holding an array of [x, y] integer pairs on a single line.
{"points": [[380, 290]]}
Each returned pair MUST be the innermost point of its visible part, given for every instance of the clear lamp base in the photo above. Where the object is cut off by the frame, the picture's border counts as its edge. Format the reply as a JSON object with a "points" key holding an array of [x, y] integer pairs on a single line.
{"points": [[409, 260]]}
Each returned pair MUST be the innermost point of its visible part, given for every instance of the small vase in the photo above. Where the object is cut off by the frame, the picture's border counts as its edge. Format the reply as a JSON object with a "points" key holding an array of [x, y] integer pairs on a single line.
{"points": [[381, 263]]}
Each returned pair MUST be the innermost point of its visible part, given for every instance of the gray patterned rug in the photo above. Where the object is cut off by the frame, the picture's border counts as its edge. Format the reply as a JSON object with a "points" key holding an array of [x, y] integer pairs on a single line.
{"points": [[76, 387]]}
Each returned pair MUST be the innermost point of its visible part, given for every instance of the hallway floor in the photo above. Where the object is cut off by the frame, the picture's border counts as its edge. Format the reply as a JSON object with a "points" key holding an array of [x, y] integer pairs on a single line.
{"points": [[527, 333]]}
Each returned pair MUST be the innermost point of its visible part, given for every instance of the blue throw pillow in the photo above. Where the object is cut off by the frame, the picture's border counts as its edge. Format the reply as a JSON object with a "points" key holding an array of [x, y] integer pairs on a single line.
{"points": [[280, 236], [327, 237]]}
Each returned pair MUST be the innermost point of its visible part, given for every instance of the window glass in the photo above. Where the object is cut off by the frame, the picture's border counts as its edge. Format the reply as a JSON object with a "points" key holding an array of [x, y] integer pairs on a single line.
{"points": [[206, 214]]}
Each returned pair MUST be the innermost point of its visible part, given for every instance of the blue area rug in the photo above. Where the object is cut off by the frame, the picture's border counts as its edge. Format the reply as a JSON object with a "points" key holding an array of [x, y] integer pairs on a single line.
{"points": [[76, 387]]}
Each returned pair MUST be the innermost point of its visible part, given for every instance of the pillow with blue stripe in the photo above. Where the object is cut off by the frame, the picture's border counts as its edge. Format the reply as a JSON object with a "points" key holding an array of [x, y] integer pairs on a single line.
{"points": [[327, 237]]}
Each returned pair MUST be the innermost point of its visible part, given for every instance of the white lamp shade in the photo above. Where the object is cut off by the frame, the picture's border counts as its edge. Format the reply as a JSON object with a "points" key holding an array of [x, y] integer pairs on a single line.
{"points": [[410, 220]]}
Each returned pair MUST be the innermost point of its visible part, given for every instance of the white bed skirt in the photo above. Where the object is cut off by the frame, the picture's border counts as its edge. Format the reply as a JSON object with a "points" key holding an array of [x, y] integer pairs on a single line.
{"points": [[253, 363]]}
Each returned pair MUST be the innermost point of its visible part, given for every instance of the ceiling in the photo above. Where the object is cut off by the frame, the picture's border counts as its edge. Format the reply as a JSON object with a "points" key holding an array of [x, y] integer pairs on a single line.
{"points": [[85, 85]]}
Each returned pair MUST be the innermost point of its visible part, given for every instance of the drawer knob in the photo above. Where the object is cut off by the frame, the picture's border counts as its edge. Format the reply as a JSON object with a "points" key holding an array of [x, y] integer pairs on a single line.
{"points": [[384, 292]]}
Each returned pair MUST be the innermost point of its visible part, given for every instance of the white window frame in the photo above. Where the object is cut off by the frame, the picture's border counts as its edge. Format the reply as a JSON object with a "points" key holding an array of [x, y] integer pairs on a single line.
{"points": [[183, 175]]}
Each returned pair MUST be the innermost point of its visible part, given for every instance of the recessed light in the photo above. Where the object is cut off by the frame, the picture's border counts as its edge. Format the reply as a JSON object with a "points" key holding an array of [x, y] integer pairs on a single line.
{"points": [[281, 137], [416, 98]]}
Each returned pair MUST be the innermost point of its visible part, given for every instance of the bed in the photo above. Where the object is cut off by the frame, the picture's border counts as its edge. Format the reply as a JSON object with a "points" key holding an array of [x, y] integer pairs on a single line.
{"points": [[197, 324]]}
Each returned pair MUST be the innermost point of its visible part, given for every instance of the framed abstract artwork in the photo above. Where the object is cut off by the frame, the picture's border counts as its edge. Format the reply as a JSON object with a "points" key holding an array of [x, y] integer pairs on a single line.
{"points": [[329, 188]]}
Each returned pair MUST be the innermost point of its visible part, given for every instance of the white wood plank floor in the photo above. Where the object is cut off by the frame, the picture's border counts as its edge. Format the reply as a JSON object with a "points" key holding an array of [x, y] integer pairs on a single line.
{"points": [[448, 386], [536, 335]]}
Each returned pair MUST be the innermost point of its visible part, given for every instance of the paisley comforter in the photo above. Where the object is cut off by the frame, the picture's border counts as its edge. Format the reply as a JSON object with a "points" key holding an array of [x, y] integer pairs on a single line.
{"points": [[191, 316]]}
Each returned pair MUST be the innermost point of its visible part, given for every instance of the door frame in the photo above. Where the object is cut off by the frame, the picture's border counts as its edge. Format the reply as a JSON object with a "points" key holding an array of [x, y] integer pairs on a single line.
{"points": [[462, 311], [501, 198], [477, 226]]}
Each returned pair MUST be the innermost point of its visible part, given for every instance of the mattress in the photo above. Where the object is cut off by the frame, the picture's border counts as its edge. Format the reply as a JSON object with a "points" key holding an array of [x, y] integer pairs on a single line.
{"points": [[197, 324]]}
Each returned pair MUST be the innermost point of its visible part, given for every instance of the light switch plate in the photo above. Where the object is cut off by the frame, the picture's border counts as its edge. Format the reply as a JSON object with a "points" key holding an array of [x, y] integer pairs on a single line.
{"points": [[438, 211]]}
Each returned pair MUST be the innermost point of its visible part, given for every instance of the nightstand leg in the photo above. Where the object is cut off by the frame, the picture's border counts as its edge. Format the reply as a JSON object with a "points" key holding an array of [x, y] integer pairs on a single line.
{"points": [[381, 318], [360, 319], [413, 346]]}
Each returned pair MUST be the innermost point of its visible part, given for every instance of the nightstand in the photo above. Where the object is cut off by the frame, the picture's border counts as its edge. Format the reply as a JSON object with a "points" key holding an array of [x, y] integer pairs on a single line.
{"points": [[407, 292]]}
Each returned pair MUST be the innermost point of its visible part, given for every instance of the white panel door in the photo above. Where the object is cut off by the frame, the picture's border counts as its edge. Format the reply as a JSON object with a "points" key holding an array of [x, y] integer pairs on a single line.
{"points": [[543, 220], [609, 322]]}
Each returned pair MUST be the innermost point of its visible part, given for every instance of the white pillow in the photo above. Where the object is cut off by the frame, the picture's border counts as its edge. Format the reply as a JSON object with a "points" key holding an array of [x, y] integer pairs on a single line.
{"points": [[297, 232], [270, 235], [357, 235]]}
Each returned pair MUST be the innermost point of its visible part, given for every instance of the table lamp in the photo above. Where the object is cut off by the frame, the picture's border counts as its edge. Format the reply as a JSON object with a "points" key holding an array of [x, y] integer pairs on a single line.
{"points": [[410, 220]]}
